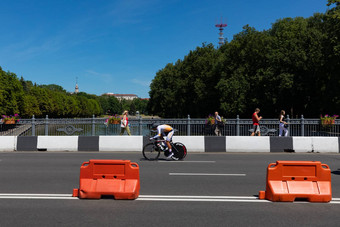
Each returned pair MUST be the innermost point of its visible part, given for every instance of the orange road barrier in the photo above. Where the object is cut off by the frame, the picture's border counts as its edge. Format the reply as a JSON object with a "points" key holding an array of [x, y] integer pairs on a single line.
{"points": [[117, 178], [288, 181]]}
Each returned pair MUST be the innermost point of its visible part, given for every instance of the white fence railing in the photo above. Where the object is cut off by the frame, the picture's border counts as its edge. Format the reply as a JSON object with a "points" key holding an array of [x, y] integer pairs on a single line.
{"points": [[185, 127]]}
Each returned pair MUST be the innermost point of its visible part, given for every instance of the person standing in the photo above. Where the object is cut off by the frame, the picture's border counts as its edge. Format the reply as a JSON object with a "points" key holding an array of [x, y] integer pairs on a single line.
{"points": [[124, 124], [283, 127], [218, 120], [256, 119]]}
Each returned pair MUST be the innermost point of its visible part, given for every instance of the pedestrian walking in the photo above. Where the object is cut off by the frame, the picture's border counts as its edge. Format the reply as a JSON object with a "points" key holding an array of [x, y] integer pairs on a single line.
{"points": [[124, 124], [256, 125], [218, 121], [283, 127]]}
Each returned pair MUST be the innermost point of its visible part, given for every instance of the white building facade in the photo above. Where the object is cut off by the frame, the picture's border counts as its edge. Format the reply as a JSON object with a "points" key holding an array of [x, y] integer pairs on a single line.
{"points": [[123, 96]]}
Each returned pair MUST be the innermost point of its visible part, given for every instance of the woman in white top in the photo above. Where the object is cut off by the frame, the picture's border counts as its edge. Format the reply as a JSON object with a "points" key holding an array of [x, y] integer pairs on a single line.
{"points": [[283, 124], [124, 124]]}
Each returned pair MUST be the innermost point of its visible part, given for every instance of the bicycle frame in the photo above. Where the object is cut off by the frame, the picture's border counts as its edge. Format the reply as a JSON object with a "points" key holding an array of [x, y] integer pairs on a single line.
{"points": [[159, 141]]}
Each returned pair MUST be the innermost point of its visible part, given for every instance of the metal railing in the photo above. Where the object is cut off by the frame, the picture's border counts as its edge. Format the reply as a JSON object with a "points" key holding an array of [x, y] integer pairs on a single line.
{"points": [[185, 127]]}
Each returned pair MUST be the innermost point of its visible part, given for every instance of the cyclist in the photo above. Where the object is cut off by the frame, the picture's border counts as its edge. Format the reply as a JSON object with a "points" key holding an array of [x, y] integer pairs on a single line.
{"points": [[164, 130]]}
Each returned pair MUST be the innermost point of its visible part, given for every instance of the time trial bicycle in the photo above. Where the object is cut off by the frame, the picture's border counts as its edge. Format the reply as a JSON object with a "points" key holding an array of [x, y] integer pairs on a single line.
{"points": [[152, 150]]}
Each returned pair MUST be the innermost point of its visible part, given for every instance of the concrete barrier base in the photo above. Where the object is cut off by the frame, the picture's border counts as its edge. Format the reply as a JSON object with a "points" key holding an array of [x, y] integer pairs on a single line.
{"points": [[193, 143]]}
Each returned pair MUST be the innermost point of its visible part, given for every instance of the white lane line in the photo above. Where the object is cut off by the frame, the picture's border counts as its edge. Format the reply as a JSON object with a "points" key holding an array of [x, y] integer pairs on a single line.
{"points": [[189, 162], [244, 199], [36, 197], [203, 200], [208, 174], [197, 197], [180, 198], [164, 198], [334, 202], [41, 195]]}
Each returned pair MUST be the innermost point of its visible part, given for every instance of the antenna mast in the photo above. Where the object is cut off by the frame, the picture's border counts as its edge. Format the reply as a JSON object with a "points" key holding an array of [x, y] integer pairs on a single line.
{"points": [[76, 90], [221, 26]]}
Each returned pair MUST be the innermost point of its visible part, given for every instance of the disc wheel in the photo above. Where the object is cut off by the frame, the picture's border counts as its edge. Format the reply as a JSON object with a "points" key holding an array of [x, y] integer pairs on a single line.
{"points": [[151, 152], [180, 151]]}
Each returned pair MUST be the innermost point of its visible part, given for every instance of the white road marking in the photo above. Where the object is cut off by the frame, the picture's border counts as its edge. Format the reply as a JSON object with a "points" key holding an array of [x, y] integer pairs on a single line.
{"points": [[202, 200], [179, 198], [36, 196], [161, 198], [208, 174], [44, 195], [197, 197], [189, 161]]}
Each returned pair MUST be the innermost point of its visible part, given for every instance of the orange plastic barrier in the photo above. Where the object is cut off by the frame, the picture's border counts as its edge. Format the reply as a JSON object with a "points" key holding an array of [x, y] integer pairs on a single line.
{"points": [[298, 180], [117, 178]]}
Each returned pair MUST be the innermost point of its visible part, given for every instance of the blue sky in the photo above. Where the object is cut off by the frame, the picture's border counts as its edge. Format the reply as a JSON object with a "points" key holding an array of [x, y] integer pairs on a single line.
{"points": [[119, 45]]}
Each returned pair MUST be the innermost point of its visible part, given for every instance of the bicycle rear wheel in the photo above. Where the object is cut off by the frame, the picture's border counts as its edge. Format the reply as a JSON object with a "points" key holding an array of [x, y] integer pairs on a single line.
{"points": [[151, 152], [180, 151]]}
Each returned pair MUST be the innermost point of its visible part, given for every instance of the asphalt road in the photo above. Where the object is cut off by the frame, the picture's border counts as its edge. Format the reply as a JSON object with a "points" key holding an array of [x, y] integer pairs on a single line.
{"points": [[171, 192]]}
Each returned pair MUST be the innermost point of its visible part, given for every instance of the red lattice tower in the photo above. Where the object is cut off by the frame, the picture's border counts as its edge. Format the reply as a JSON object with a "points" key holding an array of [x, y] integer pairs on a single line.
{"points": [[221, 26]]}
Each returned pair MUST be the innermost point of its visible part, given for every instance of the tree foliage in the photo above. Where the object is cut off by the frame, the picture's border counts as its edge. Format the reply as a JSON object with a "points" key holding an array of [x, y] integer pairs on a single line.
{"points": [[27, 99], [294, 65]]}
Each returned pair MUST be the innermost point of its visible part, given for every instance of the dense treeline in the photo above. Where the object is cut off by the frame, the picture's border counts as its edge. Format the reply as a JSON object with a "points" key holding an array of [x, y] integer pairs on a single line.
{"points": [[27, 99], [295, 65]]}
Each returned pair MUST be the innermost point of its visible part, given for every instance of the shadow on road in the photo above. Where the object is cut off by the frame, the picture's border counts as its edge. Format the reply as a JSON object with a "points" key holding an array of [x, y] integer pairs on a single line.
{"points": [[158, 159], [336, 172]]}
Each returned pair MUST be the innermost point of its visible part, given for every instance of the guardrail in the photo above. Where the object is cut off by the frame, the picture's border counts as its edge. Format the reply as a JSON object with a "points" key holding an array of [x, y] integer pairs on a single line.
{"points": [[186, 127]]}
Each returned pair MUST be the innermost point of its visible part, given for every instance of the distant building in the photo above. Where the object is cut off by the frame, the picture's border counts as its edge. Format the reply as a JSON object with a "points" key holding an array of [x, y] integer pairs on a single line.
{"points": [[123, 96]]}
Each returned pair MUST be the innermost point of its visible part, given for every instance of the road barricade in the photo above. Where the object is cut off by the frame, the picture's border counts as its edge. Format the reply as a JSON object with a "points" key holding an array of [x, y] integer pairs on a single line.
{"points": [[288, 181], [117, 178]]}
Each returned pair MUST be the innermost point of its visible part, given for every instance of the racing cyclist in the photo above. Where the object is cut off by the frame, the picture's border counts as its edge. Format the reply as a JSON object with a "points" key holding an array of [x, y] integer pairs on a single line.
{"points": [[164, 130]]}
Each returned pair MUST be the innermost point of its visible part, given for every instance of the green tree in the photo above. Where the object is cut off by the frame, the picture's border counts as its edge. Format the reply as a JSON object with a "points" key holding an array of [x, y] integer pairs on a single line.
{"points": [[11, 93], [293, 65]]}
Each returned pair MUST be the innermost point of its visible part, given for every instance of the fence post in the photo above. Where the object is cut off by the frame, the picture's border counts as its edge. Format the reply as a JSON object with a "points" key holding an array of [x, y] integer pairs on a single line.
{"points": [[188, 126], [33, 126], [93, 126], [140, 125], [289, 128], [302, 126], [46, 126], [238, 125]]}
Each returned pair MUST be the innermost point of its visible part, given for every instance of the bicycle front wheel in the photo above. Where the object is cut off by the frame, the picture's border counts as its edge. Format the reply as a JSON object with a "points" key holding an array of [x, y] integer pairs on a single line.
{"points": [[151, 152]]}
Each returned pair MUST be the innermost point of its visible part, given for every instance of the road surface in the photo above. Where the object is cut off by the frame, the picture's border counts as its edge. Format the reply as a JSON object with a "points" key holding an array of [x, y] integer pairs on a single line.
{"points": [[206, 189]]}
